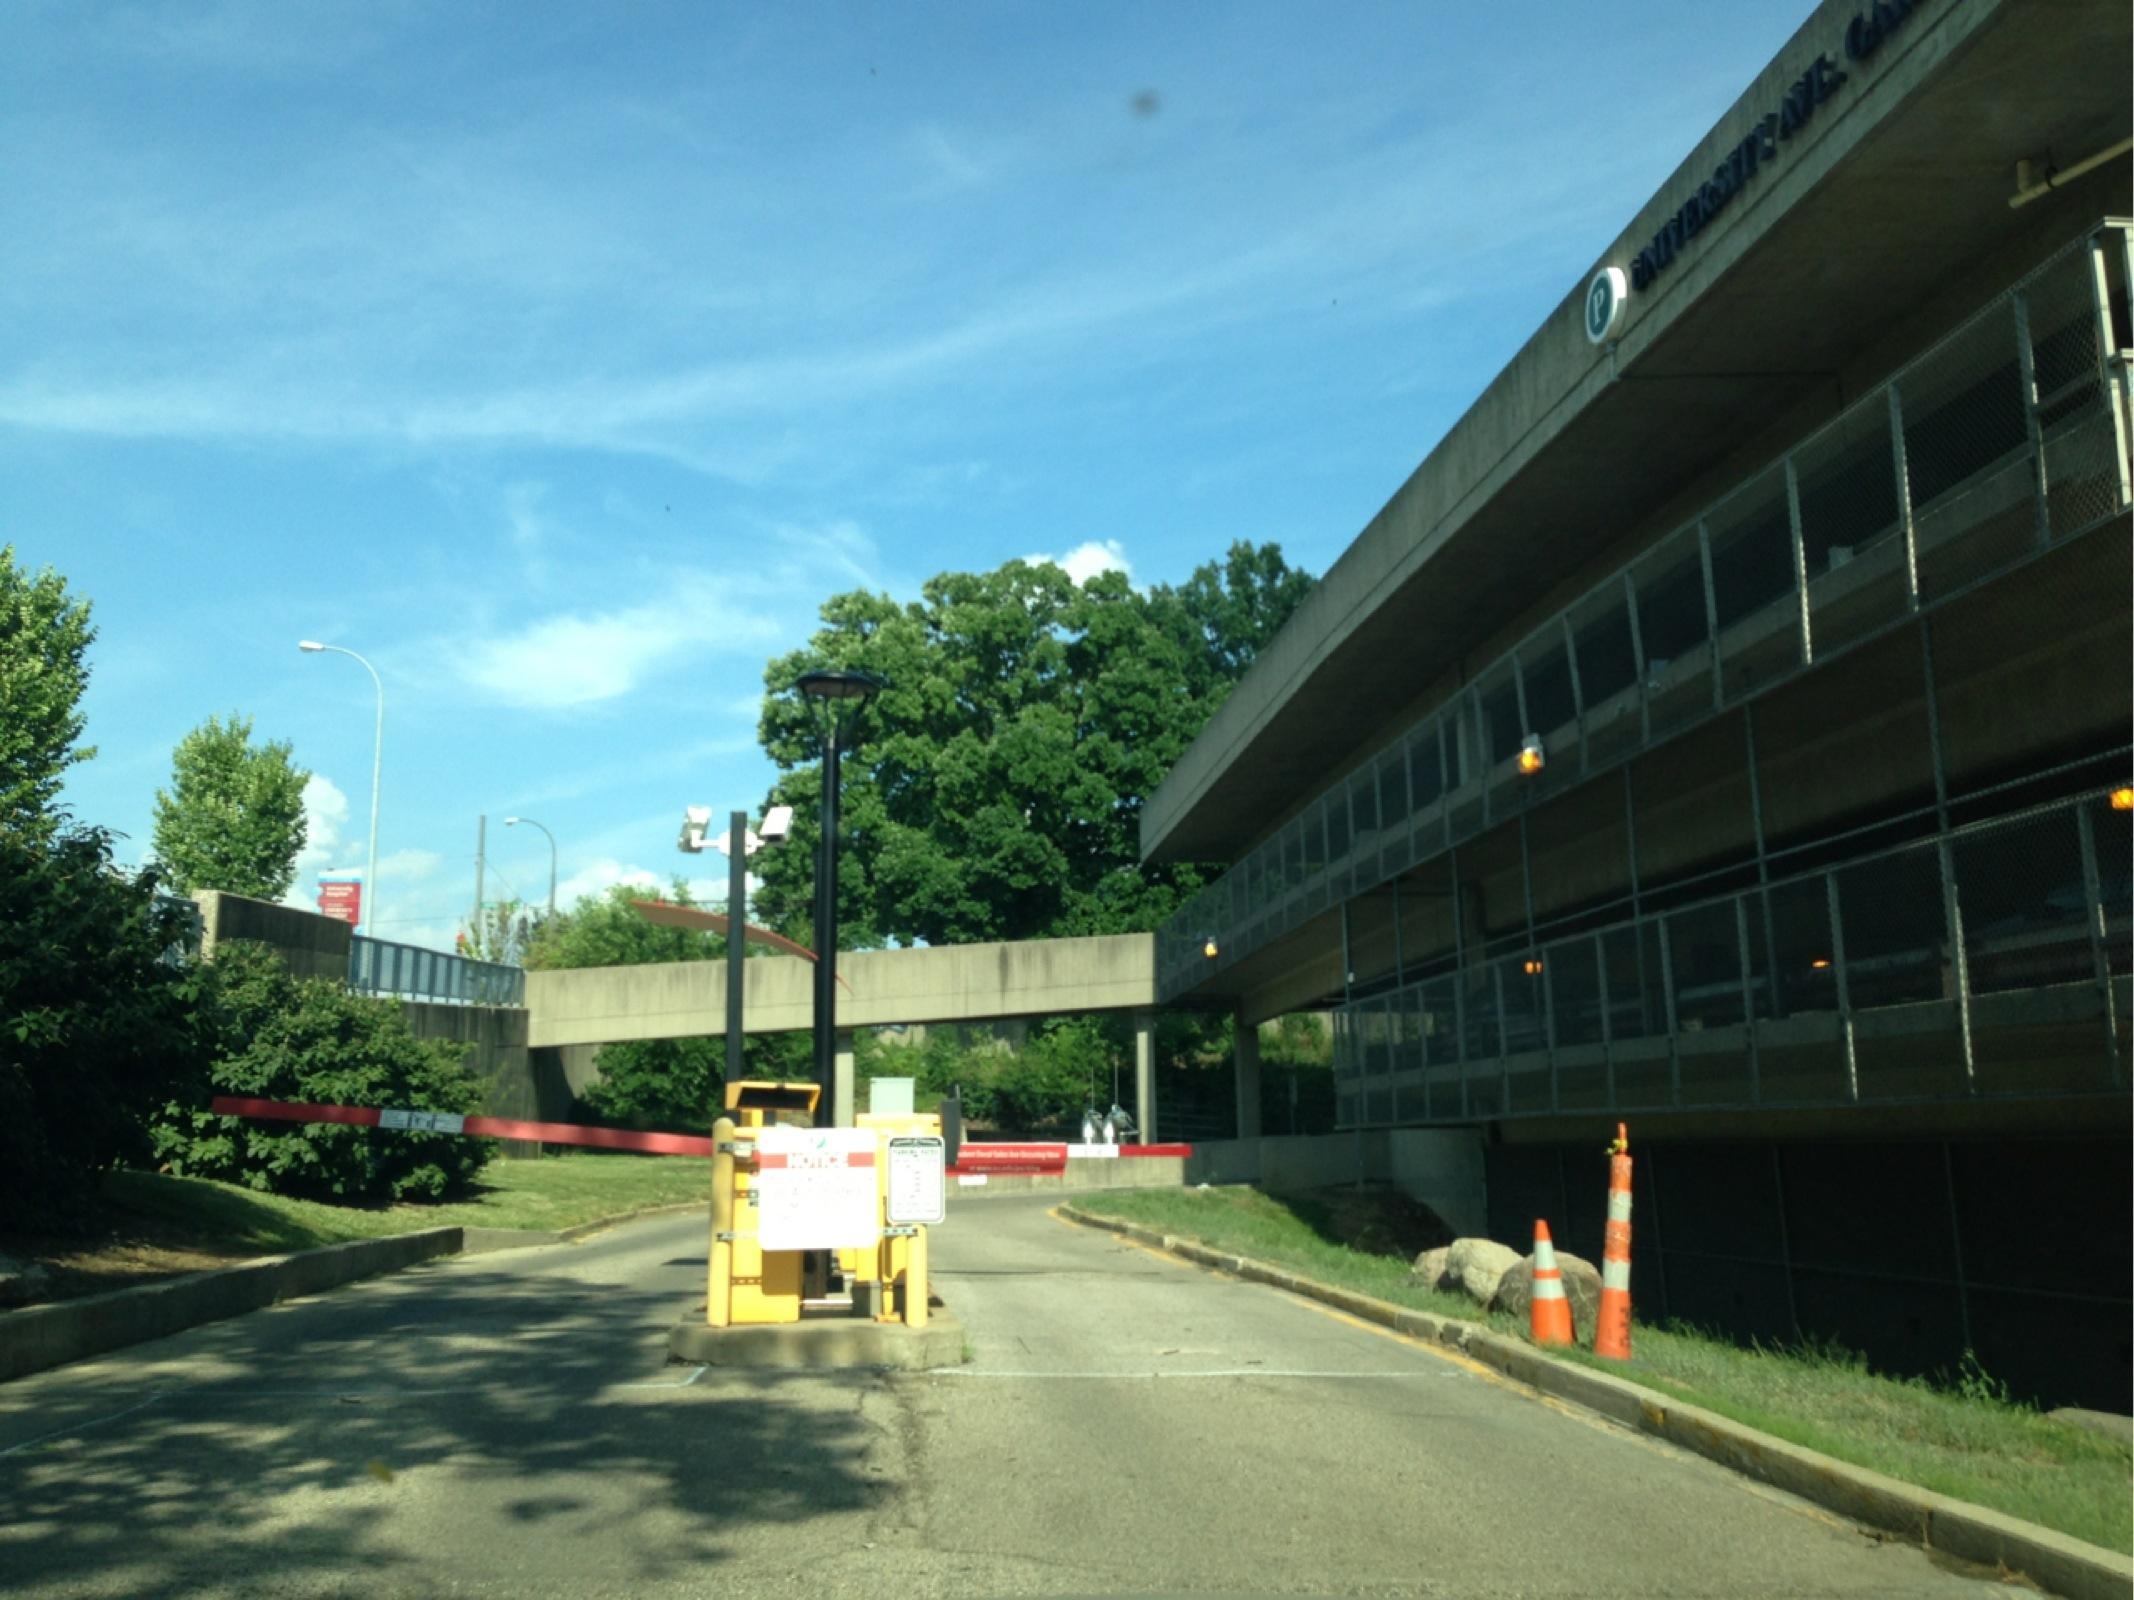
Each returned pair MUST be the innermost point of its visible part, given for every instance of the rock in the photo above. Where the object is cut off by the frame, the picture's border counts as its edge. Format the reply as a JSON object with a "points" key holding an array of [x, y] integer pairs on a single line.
{"points": [[21, 1281], [1476, 1266], [1581, 1285], [2109, 1423], [1429, 1268]]}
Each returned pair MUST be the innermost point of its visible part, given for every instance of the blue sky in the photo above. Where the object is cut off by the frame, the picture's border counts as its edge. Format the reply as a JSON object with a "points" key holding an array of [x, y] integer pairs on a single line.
{"points": [[563, 359]]}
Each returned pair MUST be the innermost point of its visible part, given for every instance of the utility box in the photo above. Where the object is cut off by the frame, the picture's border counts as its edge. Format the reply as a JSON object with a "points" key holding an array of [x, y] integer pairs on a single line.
{"points": [[899, 1265], [891, 1097]]}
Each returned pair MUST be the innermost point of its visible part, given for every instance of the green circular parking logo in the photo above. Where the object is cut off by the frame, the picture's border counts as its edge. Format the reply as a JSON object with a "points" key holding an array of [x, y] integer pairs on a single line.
{"points": [[1604, 303]]}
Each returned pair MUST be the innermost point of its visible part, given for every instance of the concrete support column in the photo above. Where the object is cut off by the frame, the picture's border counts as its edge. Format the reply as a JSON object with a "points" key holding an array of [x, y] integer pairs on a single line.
{"points": [[1145, 1074], [842, 1076], [1248, 1079]]}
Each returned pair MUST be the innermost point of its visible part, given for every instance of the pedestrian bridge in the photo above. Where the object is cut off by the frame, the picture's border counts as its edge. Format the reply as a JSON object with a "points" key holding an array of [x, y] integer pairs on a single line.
{"points": [[877, 988]]}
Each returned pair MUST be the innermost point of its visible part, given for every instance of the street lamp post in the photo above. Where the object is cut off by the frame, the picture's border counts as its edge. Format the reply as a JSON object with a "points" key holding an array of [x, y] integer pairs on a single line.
{"points": [[513, 822], [377, 756], [736, 938], [837, 691]]}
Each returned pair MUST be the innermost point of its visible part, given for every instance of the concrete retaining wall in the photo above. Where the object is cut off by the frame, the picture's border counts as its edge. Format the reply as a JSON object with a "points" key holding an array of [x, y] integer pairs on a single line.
{"points": [[495, 1041], [312, 945], [1442, 1167], [315, 946], [38, 1337]]}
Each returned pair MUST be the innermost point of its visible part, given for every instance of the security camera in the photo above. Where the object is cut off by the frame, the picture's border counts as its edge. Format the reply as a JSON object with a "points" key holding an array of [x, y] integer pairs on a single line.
{"points": [[694, 821], [777, 823]]}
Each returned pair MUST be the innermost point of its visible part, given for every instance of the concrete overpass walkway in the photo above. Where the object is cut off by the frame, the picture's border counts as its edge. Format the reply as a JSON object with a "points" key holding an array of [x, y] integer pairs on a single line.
{"points": [[579, 1008]]}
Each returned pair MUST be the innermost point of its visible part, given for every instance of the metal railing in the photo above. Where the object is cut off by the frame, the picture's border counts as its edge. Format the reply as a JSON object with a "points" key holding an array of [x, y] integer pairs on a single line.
{"points": [[408, 972], [1987, 959], [187, 946], [2005, 440]]}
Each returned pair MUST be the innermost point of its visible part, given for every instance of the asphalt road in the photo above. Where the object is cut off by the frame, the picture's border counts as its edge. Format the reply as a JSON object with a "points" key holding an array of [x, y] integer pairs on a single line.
{"points": [[505, 1424]]}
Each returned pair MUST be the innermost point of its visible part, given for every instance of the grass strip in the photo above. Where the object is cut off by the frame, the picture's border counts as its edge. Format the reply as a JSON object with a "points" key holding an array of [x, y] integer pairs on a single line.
{"points": [[1968, 1441], [546, 1194]]}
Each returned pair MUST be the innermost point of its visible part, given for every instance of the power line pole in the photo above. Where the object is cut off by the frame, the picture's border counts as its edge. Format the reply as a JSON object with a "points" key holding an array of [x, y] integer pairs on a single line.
{"points": [[736, 940], [481, 862]]}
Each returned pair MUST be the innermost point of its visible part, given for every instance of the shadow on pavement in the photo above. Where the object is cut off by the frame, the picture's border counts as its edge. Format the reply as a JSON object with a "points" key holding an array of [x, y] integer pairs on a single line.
{"points": [[346, 1440]]}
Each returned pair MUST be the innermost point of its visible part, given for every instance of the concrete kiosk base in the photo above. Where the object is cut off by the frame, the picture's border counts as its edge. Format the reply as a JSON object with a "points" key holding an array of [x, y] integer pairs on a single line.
{"points": [[820, 1342]]}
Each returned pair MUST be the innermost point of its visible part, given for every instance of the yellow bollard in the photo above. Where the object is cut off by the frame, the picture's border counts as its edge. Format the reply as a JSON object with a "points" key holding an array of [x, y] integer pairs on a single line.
{"points": [[915, 1281], [719, 1289]]}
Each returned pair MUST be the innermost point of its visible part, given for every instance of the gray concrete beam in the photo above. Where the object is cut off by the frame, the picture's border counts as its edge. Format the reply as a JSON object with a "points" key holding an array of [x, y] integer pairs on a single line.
{"points": [[958, 983]]}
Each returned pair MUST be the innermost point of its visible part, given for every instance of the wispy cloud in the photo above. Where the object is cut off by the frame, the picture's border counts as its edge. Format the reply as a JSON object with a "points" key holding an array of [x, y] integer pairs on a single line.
{"points": [[595, 877], [252, 36], [951, 160], [581, 658], [404, 867]]}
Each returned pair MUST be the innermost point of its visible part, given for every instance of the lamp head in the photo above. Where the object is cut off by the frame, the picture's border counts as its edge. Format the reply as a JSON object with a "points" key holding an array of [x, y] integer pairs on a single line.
{"points": [[511, 822], [777, 824], [1532, 757], [836, 683], [309, 644]]}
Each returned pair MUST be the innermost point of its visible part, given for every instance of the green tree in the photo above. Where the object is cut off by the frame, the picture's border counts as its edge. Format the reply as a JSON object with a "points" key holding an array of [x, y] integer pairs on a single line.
{"points": [[671, 1084], [233, 817], [501, 932], [97, 1017], [1226, 614], [44, 640], [994, 791], [279, 1037]]}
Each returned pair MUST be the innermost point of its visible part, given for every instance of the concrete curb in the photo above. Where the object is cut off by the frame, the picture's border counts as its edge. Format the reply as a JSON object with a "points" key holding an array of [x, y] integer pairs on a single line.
{"points": [[820, 1345], [2054, 1561], [37, 1337]]}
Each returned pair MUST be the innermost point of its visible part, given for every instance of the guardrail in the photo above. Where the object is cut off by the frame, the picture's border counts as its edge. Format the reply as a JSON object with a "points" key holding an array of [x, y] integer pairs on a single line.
{"points": [[409, 972], [2003, 441]]}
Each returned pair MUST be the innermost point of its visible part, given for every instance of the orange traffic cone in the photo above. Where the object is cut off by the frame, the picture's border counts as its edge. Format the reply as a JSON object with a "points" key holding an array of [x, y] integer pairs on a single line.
{"points": [[1611, 1335], [1549, 1312]]}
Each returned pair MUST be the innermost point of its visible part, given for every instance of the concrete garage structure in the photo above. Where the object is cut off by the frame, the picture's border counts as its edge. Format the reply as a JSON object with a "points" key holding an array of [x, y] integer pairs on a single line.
{"points": [[1724, 727]]}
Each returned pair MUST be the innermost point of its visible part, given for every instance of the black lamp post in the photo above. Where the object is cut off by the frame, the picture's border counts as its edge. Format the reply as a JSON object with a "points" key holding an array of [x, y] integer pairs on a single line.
{"points": [[840, 692]]}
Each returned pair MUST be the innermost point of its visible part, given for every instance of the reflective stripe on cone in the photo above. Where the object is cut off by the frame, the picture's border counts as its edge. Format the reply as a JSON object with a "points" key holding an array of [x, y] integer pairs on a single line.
{"points": [[1611, 1334], [1548, 1312]]}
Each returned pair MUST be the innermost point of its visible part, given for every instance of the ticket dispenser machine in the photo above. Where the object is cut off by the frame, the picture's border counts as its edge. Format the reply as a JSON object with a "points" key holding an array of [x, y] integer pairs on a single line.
{"points": [[891, 1278], [748, 1285]]}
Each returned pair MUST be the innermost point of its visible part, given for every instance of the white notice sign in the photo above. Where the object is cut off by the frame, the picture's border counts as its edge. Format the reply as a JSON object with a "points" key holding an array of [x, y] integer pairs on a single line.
{"points": [[916, 1191], [815, 1189]]}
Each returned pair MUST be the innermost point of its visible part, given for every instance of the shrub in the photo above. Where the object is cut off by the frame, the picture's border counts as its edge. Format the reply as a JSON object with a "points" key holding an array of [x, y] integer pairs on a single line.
{"points": [[96, 1017], [279, 1037], [1042, 1087]]}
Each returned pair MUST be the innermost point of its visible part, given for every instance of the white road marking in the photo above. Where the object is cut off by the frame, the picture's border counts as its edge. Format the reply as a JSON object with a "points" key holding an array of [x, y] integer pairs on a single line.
{"points": [[77, 1427], [680, 1383], [1203, 1372]]}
